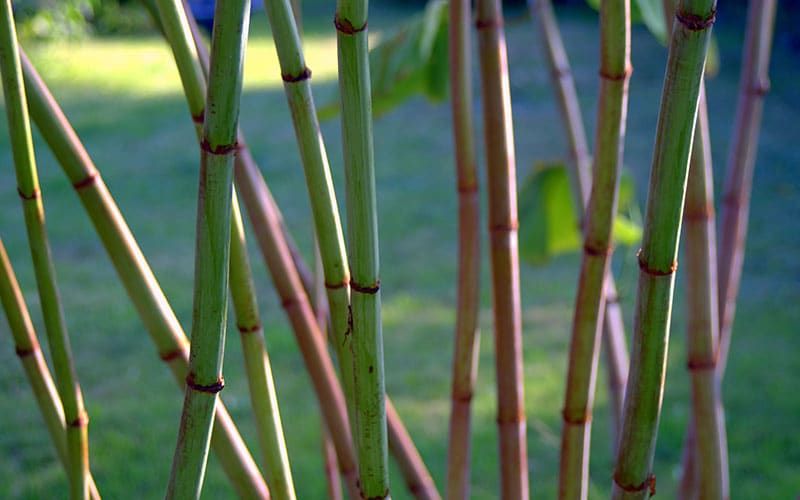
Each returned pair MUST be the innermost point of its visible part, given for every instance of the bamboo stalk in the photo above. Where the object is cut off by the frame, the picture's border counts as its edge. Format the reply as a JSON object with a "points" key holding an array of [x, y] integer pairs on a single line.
{"points": [[365, 301], [69, 391], [563, 83], [212, 253], [587, 323], [499, 139], [702, 319], [30, 355], [467, 334], [753, 85], [658, 256], [135, 273], [263, 396]]}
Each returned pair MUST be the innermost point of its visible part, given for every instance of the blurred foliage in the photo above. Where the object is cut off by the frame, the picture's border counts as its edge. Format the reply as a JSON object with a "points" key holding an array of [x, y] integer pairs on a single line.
{"points": [[412, 60], [549, 222], [59, 19]]}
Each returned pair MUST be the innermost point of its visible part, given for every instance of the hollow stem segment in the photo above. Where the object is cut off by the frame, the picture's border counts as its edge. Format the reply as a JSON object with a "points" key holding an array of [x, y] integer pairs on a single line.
{"points": [[66, 380], [658, 256], [134, 272], [212, 258], [590, 300], [30, 355], [501, 177], [365, 301], [563, 83]]}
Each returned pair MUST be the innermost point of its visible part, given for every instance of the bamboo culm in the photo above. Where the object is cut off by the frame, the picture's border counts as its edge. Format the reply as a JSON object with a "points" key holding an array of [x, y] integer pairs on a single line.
{"points": [[135, 273], [587, 323], [503, 223], [26, 345], [467, 339], [76, 418], [212, 252], [633, 477], [365, 300], [614, 343]]}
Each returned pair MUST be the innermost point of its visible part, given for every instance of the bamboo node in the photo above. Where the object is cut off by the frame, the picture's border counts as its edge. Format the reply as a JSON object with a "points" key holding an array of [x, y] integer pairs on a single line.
{"points": [[582, 419], [377, 497], [24, 352], [694, 22], [617, 77], [219, 149], [34, 194], [648, 484], [86, 181], [82, 420], [305, 74], [702, 365], [346, 26], [210, 388], [336, 286], [732, 199], [468, 189], [645, 267], [761, 88], [200, 117], [561, 71], [481, 24], [368, 289], [504, 227], [597, 252], [289, 302], [703, 213], [248, 329], [173, 354], [462, 398]]}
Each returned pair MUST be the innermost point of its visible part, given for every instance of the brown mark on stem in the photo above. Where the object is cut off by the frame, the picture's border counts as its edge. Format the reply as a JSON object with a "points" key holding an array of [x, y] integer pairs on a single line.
{"points": [[699, 214], [249, 329], [346, 27], [618, 76], [597, 252], [27, 351], [645, 267], [335, 286], [693, 22], [582, 419], [200, 117], [504, 227], [219, 149], [482, 24], [82, 420], [86, 181], [27, 197], [368, 289], [210, 388], [305, 74], [649, 483]]}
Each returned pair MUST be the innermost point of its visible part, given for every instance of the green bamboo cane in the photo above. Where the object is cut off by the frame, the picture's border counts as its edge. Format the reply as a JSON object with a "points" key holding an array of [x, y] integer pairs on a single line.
{"points": [[753, 86], [263, 396], [69, 391], [367, 338], [212, 257], [563, 83], [30, 355], [501, 167], [467, 334], [658, 256], [702, 319], [587, 323], [135, 273], [275, 248]]}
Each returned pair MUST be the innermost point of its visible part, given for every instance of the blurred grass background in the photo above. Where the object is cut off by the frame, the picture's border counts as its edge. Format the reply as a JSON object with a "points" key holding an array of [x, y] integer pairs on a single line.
{"points": [[123, 96]]}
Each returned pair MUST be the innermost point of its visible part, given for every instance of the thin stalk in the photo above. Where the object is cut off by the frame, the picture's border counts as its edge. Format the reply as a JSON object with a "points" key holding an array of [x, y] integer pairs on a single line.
{"points": [[702, 318], [319, 303], [263, 396], [587, 322], [212, 251], [19, 127], [365, 301], [753, 86], [276, 250], [135, 273], [467, 334], [501, 168], [30, 355], [563, 83], [658, 256]]}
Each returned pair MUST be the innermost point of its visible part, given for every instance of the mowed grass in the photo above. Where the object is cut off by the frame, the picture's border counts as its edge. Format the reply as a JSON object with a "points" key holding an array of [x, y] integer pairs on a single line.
{"points": [[123, 97]]}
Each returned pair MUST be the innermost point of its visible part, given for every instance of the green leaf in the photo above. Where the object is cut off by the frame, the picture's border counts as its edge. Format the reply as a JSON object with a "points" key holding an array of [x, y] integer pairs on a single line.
{"points": [[549, 222]]}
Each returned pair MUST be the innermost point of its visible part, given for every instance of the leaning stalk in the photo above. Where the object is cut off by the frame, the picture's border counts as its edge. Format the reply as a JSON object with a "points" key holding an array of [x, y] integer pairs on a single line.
{"points": [[263, 397], [658, 256], [499, 138], [581, 176], [212, 257], [135, 273], [367, 339], [753, 85], [702, 318], [26, 345], [465, 351], [19, 127], [615, 71]]}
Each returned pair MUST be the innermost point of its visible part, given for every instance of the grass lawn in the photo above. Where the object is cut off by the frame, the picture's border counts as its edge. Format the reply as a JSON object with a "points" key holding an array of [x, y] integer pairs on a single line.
{"points": [[123, 97]]}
